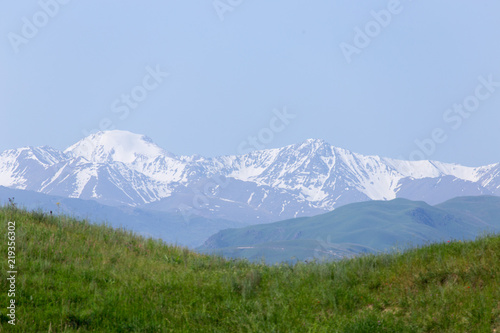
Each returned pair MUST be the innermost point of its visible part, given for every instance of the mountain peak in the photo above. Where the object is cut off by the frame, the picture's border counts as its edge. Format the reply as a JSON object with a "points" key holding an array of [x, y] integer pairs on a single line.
{"points": [[315, 142], [312, 146], [115, 145]]}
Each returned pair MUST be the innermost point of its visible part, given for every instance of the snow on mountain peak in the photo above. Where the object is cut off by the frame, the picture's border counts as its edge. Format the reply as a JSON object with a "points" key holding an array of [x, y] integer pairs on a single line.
{"points": [[115, 145], [311, 144], [121, 167], [315, 141]]}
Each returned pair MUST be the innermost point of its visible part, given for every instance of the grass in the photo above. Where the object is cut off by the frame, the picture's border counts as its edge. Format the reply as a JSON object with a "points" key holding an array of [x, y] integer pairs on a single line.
{"points": [[77, 277]]}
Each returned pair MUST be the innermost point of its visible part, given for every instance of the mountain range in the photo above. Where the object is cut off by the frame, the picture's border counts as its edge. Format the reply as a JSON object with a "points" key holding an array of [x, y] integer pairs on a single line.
{"points": [[130, 172], [121, 168]]}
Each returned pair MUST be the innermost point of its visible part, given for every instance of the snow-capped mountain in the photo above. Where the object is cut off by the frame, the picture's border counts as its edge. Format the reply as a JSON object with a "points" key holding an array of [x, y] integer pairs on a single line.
{"points": [[123, 168]]}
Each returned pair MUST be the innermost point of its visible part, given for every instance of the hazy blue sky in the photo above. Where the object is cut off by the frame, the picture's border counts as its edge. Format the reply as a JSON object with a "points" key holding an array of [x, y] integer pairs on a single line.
{"points": [[230, 67]]}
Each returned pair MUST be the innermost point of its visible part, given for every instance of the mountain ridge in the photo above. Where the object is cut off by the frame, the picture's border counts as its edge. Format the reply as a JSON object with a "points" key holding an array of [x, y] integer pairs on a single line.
{"points": [[373, 226], [303, 179]]}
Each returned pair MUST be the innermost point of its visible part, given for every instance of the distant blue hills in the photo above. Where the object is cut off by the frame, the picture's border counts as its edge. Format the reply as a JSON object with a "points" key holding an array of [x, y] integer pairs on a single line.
{"points": [[353, 229], [173, 228], [365, 227]]}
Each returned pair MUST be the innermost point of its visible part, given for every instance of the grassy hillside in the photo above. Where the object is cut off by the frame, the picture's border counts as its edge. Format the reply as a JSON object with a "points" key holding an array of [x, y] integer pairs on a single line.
{"points": [[76, 277]]}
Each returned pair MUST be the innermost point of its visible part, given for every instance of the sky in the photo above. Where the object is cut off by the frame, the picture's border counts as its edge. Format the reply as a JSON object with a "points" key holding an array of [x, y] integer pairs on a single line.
{"points": [[403, 79]]}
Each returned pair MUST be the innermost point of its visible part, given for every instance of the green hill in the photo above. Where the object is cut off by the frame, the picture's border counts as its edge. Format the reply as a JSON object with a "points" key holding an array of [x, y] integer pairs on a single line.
{"points": [[484, 210], [362, 227], [77, 277]]}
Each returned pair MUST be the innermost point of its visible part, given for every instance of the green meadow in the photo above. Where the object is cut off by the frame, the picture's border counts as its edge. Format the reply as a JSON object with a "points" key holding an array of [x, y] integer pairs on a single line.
{"points": [[74, 276]]}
